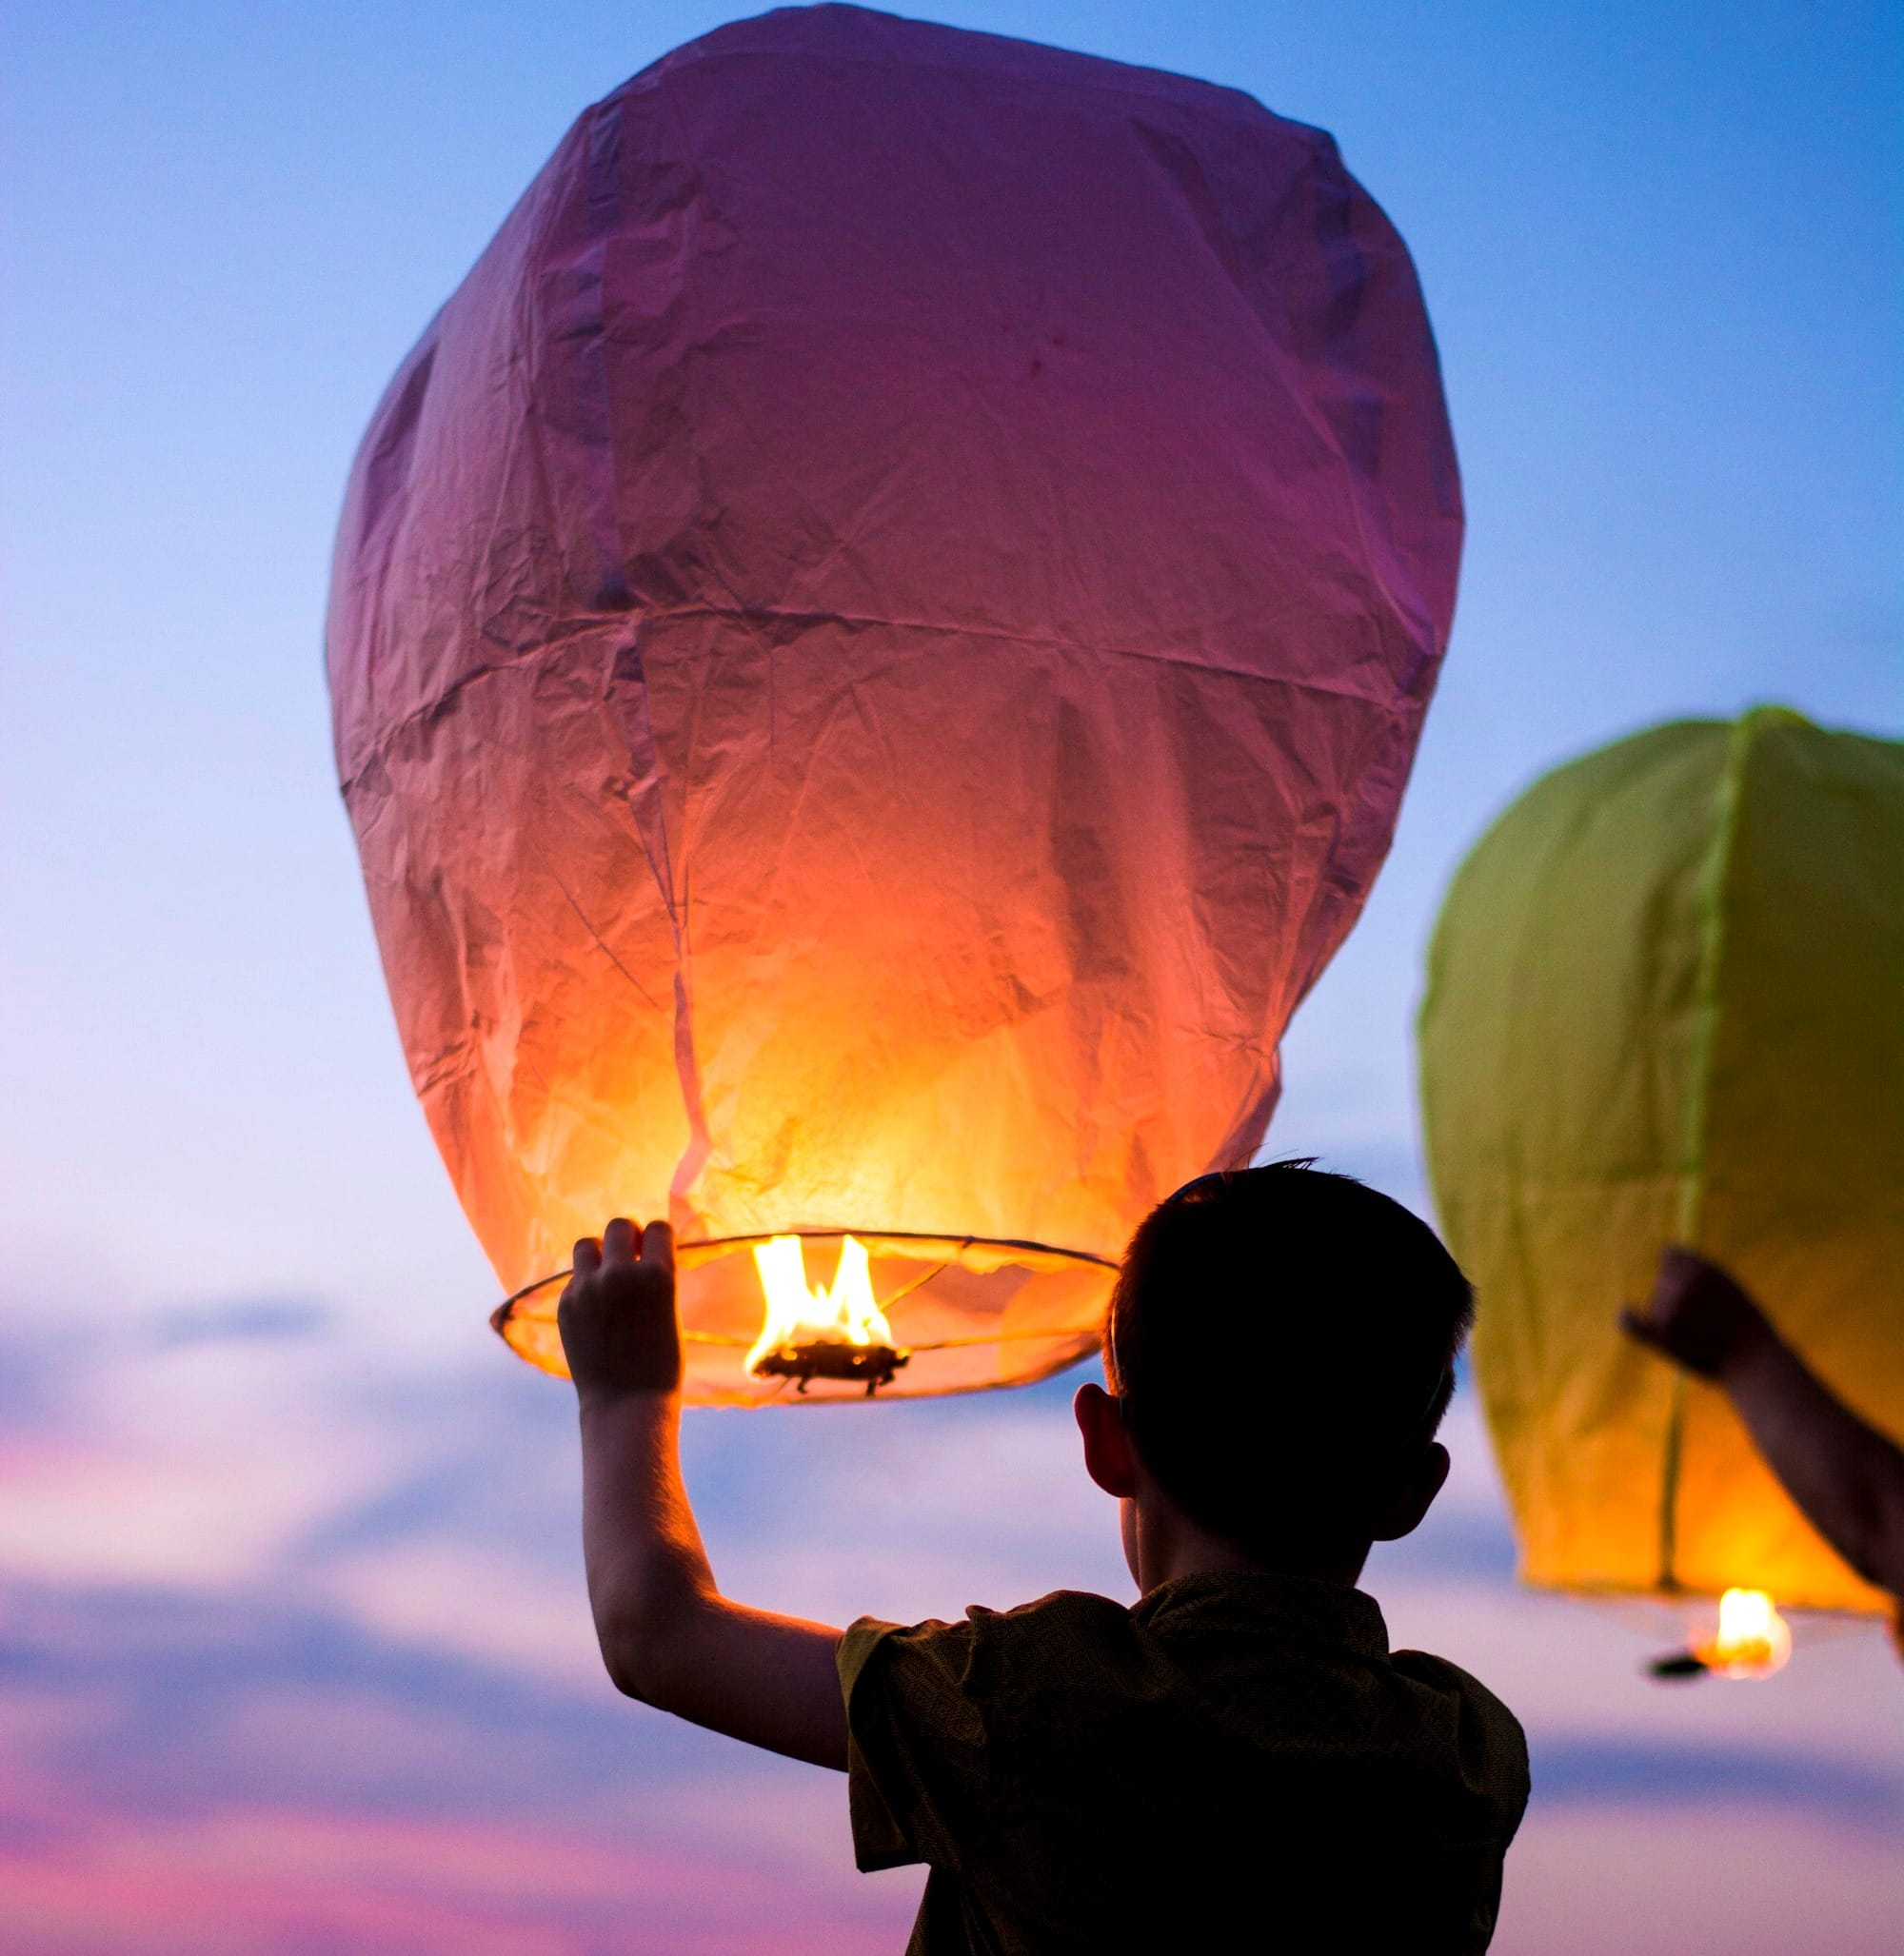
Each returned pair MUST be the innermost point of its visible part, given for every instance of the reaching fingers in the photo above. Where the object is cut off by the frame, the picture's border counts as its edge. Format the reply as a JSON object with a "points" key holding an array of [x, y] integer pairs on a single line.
{"points": [[1637, 1325], [658, 1246], [621, 1241], [587, 1256]]}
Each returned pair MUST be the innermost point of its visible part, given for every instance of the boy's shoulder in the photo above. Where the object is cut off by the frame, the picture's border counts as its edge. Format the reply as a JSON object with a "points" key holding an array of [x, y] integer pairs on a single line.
{"points": [[1441, 1674], [1234, 1624], [978, 1653], [1277, 1620]]}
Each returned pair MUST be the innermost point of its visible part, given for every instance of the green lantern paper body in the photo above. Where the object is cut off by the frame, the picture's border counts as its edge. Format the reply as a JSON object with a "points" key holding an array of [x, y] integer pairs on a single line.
{"points": [[1666, 1002]]}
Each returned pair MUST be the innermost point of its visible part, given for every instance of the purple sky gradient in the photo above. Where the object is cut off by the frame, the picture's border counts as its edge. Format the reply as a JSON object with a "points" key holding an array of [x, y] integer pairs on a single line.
{"points": [[293, 1652]]}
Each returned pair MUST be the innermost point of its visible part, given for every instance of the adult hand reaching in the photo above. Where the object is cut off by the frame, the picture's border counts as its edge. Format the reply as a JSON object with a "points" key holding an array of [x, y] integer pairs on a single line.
{"points": [[617, 1318], [1846, 1476], [1698, 1316]]}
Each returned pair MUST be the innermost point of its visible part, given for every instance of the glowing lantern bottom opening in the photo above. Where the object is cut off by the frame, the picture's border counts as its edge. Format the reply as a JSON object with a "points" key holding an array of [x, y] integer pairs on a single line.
{"points": [[808, 1334], [905, 1315], [1750, 1640]]}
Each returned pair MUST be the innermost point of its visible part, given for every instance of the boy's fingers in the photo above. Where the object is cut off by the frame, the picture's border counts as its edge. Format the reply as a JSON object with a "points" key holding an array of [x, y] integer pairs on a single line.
{"points": [[588, 1258], [620, 1242], [658, 1247]]}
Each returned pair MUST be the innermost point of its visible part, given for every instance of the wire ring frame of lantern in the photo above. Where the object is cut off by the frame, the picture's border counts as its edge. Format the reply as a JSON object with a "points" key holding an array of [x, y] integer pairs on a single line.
{"points": [[526, 1318]]}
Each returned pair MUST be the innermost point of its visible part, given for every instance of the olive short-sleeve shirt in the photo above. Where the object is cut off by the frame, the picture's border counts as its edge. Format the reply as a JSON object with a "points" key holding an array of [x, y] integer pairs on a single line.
{"points": [[1239, 1762]]}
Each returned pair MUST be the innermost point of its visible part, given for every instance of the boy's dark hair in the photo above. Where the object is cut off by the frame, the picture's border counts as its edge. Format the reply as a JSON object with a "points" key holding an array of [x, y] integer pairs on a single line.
{"points": [[1282, 1339]]}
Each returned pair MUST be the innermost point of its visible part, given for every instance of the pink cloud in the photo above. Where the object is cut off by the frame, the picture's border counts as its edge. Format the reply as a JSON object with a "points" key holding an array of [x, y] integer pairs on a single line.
{"points": [[256, 1880]]}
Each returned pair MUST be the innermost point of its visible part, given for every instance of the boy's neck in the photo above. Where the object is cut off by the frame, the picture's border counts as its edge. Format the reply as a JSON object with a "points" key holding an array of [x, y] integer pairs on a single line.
{"points": [[1161, 1543]]}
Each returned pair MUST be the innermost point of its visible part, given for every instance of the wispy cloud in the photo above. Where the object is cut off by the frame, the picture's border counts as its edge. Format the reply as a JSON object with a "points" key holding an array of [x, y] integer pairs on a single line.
{"points": [[267, 1777], [242, 1318], [267, 1882], [1583, 1770]]}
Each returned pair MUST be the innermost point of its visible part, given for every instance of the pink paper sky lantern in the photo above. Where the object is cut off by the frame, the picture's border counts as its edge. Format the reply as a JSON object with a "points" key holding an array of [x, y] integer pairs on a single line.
{"points": [[876, 644]]}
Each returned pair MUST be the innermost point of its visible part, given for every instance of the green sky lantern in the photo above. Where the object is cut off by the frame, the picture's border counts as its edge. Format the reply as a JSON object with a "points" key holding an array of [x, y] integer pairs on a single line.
{"points": [[1666, 1002]]}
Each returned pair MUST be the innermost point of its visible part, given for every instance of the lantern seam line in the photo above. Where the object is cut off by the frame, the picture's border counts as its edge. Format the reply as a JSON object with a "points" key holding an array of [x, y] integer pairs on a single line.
{"points": [[378, 748], [1715, 876]]}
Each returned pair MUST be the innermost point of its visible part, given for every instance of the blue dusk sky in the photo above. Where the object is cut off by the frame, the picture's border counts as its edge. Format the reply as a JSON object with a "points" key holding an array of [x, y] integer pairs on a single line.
{"points": [[293, 1648]]}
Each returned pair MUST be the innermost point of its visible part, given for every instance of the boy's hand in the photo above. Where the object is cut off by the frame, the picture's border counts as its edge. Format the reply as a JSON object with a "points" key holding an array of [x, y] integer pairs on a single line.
{"points": [[617, 1319], [1699, 1316]]}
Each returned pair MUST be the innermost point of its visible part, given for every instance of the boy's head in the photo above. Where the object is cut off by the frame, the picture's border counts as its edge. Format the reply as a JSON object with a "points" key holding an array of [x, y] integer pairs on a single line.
{"points": [[1280, 1344]]}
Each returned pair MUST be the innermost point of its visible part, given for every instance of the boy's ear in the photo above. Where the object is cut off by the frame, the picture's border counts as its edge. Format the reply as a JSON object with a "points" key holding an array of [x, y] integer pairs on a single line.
{"points": [[1401, 1515], [1107, 1447]]}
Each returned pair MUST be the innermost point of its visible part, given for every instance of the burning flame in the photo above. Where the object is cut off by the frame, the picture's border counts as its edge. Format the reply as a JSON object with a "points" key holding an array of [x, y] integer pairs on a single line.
{"points": [[1753, 1639], [847, 1313]]}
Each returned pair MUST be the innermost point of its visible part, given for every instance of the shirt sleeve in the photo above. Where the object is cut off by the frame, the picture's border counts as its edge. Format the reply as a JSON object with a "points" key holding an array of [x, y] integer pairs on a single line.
{"points": [[1491, 1747], [917, 1765]]}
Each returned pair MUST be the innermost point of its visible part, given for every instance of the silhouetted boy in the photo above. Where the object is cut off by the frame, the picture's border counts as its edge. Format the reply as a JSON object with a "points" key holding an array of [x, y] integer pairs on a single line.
{"points": [[1236, 1761]]}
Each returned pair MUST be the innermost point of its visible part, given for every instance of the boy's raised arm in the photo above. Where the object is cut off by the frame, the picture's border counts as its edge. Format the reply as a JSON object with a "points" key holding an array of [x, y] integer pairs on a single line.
{"points": [[668, 1636]]}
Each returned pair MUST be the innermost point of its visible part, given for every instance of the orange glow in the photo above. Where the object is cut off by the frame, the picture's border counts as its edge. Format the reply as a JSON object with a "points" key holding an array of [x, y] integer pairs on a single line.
{"points": [[1753, 1640], [847, 1313]]}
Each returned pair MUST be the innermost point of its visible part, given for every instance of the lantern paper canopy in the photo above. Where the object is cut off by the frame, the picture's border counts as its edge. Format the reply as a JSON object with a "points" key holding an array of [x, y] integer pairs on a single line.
{"points": [[876, 643], [1666, 1003]]}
